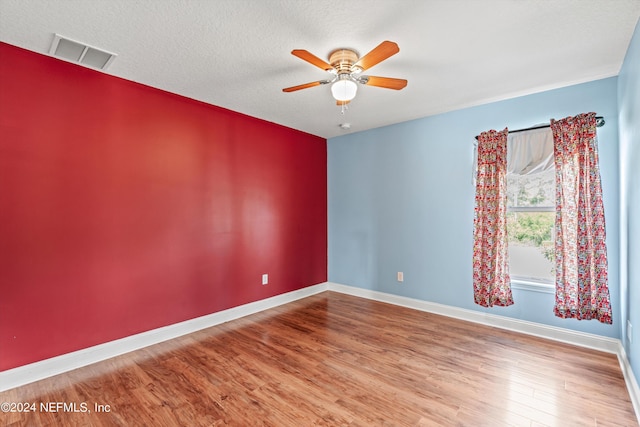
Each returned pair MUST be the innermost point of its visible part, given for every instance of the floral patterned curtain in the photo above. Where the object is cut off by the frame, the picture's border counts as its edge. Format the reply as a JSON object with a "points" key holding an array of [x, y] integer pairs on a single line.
{"points": [[582, 291], [491, 282]]}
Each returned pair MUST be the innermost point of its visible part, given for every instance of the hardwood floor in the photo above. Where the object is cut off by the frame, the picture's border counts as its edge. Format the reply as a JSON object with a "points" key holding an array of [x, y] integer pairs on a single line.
{"points": [[337, 360]]}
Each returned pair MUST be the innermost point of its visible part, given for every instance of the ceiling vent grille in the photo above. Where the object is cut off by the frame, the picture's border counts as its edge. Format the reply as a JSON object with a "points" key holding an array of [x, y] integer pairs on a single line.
{"points": [[80, 53]]}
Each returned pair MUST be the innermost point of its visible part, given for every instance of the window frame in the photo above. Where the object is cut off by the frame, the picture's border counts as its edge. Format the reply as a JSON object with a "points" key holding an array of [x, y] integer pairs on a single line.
{"points": [[531, 283]]}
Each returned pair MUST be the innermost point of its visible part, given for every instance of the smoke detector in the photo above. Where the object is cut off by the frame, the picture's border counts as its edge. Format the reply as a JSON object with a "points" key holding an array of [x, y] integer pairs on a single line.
{"points": [[80, 53]]}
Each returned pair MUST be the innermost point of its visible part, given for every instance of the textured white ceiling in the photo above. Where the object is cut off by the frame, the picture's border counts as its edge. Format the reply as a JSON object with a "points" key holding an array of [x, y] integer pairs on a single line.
{"points": [[236, 53]]}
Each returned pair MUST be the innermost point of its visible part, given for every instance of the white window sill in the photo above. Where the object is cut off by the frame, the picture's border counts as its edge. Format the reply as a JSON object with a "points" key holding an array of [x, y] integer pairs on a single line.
{"points": [[546, 288]]}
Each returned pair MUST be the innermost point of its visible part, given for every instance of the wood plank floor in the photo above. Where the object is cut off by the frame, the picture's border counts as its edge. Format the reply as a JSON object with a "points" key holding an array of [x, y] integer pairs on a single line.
{"points": [[337, 360]]}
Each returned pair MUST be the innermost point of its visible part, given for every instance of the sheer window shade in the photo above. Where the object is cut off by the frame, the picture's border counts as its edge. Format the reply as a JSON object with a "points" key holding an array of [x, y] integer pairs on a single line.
{"points": [[530, 152]]}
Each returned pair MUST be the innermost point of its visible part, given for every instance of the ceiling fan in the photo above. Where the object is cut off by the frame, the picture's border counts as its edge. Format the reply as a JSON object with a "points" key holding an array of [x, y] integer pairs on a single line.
{"points": [[346, 68]]}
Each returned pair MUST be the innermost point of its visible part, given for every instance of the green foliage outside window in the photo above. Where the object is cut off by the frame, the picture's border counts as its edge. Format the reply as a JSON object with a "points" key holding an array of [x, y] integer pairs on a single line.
{"points": [[533, 228]]}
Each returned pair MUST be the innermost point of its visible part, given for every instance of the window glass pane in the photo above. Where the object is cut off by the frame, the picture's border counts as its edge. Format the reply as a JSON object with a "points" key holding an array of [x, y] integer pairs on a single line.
{"points": [[531, 245], [531, 190]]}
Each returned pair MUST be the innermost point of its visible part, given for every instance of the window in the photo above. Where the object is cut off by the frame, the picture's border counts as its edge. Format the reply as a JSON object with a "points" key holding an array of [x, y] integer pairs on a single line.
{"points": [[531, 206], [530, 226]]}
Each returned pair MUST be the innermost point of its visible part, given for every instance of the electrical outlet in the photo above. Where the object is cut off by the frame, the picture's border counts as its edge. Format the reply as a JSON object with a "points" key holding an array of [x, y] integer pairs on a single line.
{"points": [[400, 276], [629, 331], [265, 279]]}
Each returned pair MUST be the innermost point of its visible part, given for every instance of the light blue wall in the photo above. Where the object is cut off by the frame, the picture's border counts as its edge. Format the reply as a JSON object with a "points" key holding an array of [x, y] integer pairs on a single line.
{"points": [[401, 199], [629, 121]]}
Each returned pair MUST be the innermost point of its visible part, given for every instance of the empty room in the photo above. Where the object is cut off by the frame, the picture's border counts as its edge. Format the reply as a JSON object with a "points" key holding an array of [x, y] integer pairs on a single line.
{"points": [[319, 212]]}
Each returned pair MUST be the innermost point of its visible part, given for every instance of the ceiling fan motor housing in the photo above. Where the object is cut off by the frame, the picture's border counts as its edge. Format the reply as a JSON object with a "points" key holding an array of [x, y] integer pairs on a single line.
{"points": [[342, 60]]}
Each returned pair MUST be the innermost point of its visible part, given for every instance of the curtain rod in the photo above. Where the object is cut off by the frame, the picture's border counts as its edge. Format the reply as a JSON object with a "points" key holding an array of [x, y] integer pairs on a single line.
{"points": [[599, 123]]}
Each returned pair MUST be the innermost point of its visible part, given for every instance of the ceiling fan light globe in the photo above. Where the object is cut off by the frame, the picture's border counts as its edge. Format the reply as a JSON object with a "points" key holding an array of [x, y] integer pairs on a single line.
{"points": [[344, 90]]}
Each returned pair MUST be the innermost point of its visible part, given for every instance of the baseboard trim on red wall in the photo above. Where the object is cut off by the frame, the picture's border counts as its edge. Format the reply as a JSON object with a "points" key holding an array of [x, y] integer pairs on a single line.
{"points": [[32, 372], [47, 368]]}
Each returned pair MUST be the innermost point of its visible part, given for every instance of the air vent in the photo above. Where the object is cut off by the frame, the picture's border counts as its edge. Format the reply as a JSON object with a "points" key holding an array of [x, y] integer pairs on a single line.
{"points": [[80, 53]]}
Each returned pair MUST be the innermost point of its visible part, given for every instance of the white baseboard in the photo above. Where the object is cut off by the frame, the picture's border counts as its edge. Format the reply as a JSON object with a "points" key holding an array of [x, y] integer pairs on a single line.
{"points": [[596, 342], [46, 368], [56, 365], [630, 379]]}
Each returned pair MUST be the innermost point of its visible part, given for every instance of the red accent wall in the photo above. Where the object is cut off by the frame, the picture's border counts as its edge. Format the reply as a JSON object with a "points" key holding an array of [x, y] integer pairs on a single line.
{"points": [[124, 208]]}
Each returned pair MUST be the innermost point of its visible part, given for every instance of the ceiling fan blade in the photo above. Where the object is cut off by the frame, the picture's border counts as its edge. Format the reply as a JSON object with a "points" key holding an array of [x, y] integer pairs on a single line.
{"points": [[385, 82], [304, 86], [311, 59], [381, 52]]}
